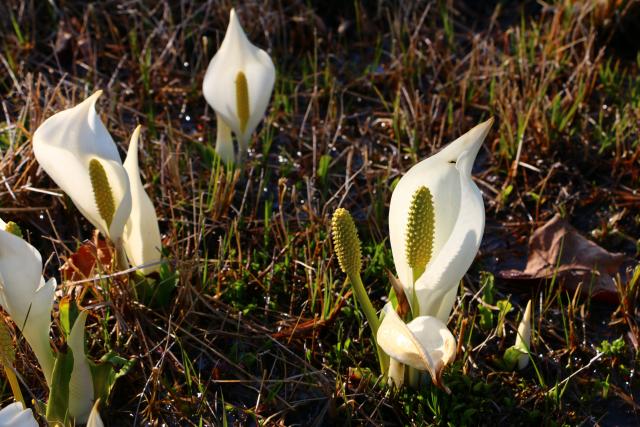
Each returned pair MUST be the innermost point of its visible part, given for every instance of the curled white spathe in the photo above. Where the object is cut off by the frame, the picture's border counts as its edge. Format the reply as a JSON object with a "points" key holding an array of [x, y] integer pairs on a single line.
{"points": [[458, 219], [141, 238], [65, 144], [237, 54], [25, 295], [14, 415], [424, 343]]}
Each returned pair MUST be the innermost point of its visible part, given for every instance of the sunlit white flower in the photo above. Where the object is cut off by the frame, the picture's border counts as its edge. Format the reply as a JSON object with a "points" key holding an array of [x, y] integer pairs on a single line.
{"points": [[25, 295], [459, 223], [15, 415], [238, 84], [78, 153], [141, 233], [436, 222]]}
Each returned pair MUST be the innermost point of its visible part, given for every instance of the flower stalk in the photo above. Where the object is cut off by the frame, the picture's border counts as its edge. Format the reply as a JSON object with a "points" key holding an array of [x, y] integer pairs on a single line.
{"points": [[347, 247]]}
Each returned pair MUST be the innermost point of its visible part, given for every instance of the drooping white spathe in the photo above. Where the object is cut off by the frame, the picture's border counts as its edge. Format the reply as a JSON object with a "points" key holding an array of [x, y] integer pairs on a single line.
{"points": [[81, 380], [65, 144], [237, 54], [25, 295], [459, 222], [425, 343], [141, 233], [15, 415]]}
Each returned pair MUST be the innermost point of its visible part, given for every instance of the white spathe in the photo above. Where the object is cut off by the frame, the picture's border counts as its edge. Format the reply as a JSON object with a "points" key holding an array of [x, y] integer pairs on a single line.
{"points": [[237, 54], [15, 415], [94, 418], [424, 343], [81, 381], [141, 233], [224, 141], [65, 144], [25, 295], [458, 222]]}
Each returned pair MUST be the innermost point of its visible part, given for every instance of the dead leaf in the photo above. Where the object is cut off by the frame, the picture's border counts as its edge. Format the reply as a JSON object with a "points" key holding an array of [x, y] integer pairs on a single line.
{"points": [[558, 249], [403, 307], [81, 264]]}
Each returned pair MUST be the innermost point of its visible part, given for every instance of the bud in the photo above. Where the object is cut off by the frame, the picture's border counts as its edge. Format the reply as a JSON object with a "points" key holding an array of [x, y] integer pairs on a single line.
{"points": [[420, 229], [13, 228], [523, 340], [346, 242], [242, 100], [102, 191]]}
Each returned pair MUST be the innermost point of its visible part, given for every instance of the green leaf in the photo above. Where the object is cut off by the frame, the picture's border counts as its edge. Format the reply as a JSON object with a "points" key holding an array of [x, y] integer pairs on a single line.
{"points": [[104, 377], [68, 314], [156, 292], [59, 394], [104, 374], [511, 357], [486, 317]]}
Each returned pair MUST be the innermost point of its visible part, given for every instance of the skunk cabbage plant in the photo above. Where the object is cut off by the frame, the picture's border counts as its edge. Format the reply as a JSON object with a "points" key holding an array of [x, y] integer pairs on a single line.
{"points": [[518, 354], [436, 222], [237, 85]]}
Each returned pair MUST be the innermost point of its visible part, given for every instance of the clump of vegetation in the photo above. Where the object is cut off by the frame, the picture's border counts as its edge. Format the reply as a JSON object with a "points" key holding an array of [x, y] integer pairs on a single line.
{"points": [[249, 321]]}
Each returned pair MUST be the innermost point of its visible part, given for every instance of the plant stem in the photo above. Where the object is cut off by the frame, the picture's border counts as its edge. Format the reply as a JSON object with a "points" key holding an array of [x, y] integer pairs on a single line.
{"points": [[371, 315], [121, 261], [396, 373], [414, 378], [15, 387]]}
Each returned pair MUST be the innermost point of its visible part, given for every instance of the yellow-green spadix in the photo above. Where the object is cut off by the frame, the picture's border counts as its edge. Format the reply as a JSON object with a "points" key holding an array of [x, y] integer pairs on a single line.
{"points": [[238, 84], [75, 149]]}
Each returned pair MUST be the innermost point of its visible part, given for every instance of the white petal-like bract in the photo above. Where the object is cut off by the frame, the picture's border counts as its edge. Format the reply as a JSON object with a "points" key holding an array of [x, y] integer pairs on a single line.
{"points": [[94, 418], [25, 295], [424, 343], [141, 233], [15, 415], [65, 144]]}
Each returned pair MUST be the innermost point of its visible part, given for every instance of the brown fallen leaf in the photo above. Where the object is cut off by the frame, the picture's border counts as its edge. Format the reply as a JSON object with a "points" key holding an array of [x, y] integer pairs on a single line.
{"points": [[558, 249], [80, 265]]}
